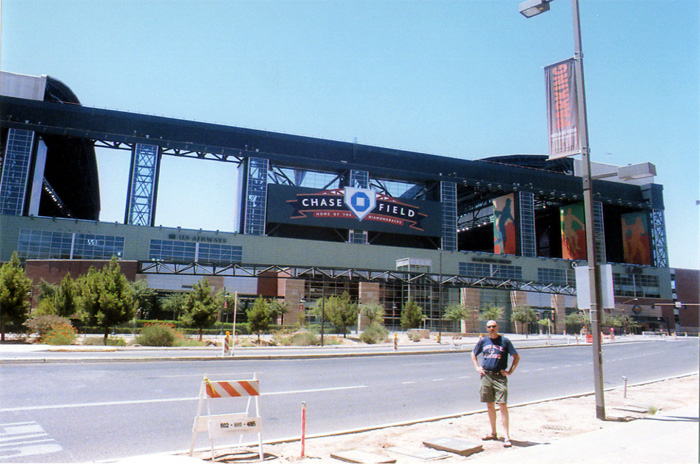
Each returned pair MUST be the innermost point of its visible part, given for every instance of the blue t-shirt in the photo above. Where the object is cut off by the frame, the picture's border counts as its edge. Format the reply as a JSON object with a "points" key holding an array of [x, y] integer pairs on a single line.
{"points": [[496, 352]]}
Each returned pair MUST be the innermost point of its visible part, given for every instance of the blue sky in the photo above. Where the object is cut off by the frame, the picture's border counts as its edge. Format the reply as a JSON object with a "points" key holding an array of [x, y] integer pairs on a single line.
{"points": [[456, 78]]}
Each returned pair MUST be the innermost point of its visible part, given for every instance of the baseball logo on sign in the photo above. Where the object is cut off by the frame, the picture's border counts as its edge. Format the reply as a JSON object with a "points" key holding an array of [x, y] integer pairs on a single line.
{"points": [[360, 201]]}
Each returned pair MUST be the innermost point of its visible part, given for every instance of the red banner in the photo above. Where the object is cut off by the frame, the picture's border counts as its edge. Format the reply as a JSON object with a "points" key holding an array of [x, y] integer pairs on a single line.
{"points": [[562, 109]]}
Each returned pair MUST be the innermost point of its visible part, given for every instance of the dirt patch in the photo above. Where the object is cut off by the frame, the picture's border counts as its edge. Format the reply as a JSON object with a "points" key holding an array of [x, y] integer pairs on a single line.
{"points": [[530, 425]]}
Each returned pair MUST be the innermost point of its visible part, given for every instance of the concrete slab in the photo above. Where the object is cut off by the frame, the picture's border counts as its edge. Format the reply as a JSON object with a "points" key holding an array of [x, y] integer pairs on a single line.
{"points": [[362, 457], [454, 445], [160, 459], [422, 454], [634, 408]]}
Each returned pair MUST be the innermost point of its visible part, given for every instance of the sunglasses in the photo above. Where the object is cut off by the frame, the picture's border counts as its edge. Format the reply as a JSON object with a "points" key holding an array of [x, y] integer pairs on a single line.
{"points": [[491, 326]]}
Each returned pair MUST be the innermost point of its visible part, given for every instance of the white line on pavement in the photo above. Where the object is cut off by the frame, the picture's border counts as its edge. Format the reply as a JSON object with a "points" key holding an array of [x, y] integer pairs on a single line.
{"points": [[160, 400]]}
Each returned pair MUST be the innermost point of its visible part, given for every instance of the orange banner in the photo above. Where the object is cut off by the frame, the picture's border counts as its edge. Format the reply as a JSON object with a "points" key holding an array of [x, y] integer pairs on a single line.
{"points": [[573, 231]]}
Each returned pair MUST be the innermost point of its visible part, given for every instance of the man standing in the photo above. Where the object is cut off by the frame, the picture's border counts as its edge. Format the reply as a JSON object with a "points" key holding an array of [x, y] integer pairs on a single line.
{"points": [[494, 376]]}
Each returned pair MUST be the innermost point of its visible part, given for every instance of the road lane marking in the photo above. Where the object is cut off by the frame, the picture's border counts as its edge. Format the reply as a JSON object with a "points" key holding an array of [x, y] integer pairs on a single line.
{"points": [[20, 439], [163, 400], [410, 382], [314, 390]]}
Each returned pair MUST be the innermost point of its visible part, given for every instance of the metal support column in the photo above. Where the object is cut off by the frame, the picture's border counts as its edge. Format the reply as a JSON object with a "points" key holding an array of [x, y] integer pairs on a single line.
{"points": [[16, 169], [143, 185], [659, 247], [527, 224], [254, 195], [448, 198]]}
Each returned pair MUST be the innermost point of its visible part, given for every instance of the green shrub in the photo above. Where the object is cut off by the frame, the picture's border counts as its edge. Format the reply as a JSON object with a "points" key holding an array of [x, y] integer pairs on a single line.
{"points": [[332, 340], [305, 338], [414, 336], [157, 335], [93, 341], [60, 335], [375, 333], [42, 325], [298, 338]]}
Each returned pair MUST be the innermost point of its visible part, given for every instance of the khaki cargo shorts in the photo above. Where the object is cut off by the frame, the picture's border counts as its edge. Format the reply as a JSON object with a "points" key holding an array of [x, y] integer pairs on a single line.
{"points": [[494, 388]]}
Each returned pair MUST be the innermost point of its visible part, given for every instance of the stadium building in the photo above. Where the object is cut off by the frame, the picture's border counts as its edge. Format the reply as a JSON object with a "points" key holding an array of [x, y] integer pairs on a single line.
{"points": [[317, 217]]}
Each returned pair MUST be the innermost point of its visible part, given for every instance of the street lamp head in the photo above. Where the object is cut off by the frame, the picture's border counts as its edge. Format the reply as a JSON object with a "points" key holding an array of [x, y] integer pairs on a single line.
{"points": [[530, 8]]}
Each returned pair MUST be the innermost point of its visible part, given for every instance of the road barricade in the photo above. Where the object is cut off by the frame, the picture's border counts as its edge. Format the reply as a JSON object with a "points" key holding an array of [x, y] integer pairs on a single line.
{"points": [[225, 425]]}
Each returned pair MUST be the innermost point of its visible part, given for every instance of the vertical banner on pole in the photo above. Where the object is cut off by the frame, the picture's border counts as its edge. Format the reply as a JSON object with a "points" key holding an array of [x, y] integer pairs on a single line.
{"points": [[562, 109]]}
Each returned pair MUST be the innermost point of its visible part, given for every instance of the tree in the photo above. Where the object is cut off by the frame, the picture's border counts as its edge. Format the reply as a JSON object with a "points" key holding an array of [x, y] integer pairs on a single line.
{"points": [[58, 300], [491, 312], [174, 304], [339, 311], [66, 299], [259, 316], [523, 315], [545, 324], [15, 286], [200, 307], [145, 297], [457, 312], [106, 298], [411, 315], [278, 308], [373, 312], [46, 290], [574, 322]]}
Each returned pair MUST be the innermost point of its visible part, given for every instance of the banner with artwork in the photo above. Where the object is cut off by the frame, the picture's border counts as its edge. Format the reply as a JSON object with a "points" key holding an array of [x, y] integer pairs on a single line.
{"points": [[504, 225], [635, 238], [562, 109], [573, 231]]}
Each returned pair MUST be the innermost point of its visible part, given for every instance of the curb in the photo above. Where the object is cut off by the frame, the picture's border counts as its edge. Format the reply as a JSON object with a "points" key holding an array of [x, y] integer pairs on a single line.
{"points": [[255, 357]]}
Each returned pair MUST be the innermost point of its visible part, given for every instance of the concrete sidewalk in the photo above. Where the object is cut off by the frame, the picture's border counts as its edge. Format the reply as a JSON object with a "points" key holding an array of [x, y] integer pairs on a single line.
{"points": [[669, 437]]}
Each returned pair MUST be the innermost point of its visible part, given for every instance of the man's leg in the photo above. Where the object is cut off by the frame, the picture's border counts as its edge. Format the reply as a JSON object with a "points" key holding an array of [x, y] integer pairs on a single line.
{"points": [[504, 420], [492, 417]]}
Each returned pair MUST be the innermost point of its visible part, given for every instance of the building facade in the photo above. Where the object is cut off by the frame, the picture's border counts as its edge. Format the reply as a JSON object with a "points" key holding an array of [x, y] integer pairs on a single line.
{"points": [[316, 217]]}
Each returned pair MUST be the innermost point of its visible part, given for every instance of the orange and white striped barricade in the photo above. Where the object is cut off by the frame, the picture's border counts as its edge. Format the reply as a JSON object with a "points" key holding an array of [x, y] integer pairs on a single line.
{"points": [[226, 349], [223, 425]]}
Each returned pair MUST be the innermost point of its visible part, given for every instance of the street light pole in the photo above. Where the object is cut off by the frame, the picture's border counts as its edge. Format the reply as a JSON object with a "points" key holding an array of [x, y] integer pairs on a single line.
{"points": [[593, 269], [531, 8]]}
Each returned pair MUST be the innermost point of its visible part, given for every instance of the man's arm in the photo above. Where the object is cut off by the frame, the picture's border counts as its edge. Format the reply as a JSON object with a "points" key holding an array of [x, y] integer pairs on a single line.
{"points": [[516, 360], [475, 361]]}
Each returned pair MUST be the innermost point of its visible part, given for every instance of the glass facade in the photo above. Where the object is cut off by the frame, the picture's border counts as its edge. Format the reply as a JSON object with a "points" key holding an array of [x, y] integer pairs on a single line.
{"points": [[176, 251], [527, 224], [15, 171], [559, 277], [359, 179], [636, 285], [599, 228], [172, 251], [213, 253], [448, 198], [41, 244], [255, 196], [500, 271]]}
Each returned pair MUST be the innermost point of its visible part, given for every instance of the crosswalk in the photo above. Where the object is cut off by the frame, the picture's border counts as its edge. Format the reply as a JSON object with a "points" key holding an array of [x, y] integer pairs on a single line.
{"points": [[22, 439]]}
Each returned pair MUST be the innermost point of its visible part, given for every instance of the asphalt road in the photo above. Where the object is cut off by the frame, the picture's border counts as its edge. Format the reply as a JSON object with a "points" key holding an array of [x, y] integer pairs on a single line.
{"points": [[81, 412]]}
